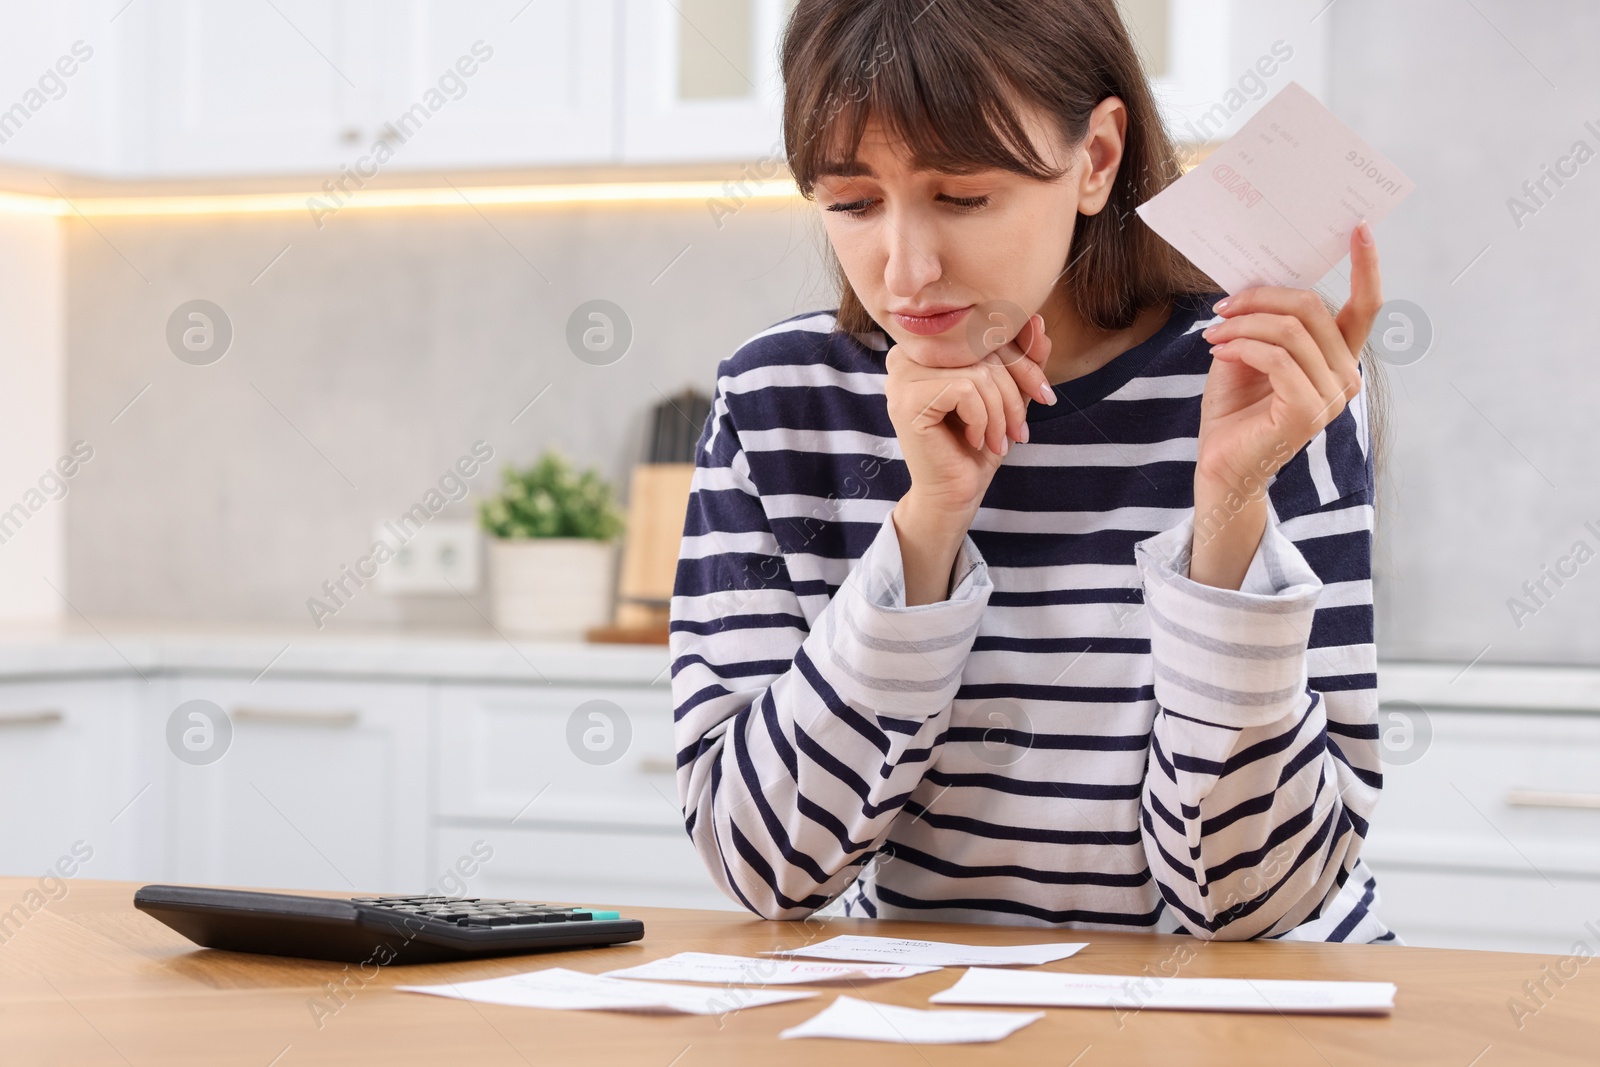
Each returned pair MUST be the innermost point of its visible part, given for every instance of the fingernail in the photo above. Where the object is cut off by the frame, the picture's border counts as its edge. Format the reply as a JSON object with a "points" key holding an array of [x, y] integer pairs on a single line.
{"points": [[1047, 394], [1005, 444], [1022, 434], [1364, 232], [1221, 305], [1209, 332]]}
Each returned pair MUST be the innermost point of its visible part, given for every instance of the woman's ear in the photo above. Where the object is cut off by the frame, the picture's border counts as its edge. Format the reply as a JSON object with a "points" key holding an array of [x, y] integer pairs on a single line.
{"points": [[1101, 154]]}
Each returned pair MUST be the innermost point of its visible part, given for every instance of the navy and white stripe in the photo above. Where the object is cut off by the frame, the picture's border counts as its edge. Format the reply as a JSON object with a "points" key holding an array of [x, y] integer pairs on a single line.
{"points": [[1079, 735]]}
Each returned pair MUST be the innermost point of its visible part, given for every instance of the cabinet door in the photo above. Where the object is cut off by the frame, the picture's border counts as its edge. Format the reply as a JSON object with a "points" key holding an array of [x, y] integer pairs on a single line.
{"points": [[74, 768], [1516, 792], [701, 80], [322, 785], [71, 84], [489, 83], [540, 754], [256, 88], [593, 866]]}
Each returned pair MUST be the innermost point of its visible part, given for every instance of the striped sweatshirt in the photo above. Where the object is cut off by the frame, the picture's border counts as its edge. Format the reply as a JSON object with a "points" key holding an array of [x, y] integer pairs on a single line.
{"points": [[1079, 735]]}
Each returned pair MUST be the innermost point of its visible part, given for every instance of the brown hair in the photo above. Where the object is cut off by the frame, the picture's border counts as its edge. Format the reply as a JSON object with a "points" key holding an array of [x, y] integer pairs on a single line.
{"points": [[945, 76]]}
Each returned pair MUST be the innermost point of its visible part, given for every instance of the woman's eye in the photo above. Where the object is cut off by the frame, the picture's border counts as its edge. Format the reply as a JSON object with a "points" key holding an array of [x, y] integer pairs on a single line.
{"points": [[966, 203], [855, 209]]}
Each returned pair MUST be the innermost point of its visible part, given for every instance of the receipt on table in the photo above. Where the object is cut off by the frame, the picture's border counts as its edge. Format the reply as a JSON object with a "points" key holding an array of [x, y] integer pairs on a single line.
{"points": [[556, 987], [1275, 204], [1052, 989], [931, 953], [865, 1020], [760, 970]]}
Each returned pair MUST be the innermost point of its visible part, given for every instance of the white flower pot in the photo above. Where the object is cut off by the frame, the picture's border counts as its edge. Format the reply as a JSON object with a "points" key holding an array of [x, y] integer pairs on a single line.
{"points": [[551, 588]]}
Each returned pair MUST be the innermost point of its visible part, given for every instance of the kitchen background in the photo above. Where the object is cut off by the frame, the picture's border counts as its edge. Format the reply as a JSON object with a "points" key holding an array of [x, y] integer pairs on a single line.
{"points": [[380, 332]]}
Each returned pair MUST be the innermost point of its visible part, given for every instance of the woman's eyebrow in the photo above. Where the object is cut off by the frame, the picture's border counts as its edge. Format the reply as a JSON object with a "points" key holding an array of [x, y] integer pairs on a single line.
{"points": [[845, 168]]}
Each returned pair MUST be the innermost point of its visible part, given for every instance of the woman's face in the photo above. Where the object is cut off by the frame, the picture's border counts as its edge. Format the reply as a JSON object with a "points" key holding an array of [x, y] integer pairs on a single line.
{"points": [[952, 265]]}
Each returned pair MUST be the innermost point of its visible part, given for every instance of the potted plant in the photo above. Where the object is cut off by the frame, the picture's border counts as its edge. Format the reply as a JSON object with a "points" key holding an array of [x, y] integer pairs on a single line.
{"points": [[552, 549]]}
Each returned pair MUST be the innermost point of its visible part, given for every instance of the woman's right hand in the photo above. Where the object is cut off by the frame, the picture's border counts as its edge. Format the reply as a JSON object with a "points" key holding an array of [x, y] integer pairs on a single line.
{"points": [[954, 425]]}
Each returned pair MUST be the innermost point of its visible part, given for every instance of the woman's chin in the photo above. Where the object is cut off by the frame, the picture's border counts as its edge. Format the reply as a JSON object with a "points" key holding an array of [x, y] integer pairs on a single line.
{"points": [[942, 351]]}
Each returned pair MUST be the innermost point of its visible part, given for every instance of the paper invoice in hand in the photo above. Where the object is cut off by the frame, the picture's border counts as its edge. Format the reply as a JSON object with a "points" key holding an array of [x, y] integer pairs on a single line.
{"points": [[1276, 203]]}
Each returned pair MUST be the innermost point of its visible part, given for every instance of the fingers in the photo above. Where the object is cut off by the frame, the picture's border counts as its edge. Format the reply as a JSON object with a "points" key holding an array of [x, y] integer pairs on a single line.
{"points": [[1366, 290], [1025, 358], [1305, 305], [1015, 406], [997, 428], [973, 398], [1289, 334], [1288, 380]]}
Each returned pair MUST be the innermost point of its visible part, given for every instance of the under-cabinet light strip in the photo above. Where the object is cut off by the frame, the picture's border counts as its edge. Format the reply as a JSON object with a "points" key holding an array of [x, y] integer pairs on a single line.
{"points": [[321, 205]]}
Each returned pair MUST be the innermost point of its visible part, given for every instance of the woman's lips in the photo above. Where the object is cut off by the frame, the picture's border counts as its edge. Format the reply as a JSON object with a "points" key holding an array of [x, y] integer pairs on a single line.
{"points": [[930, 325]]}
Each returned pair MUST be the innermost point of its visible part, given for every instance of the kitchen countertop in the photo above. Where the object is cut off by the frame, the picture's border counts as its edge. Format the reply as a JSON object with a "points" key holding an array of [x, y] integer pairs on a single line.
{"points": [[281, 652], [163, 648]]}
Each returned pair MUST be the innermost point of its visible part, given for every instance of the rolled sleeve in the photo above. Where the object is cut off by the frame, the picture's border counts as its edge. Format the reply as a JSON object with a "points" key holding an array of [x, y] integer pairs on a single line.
{"points": [[1230, 658], [893, 658]]}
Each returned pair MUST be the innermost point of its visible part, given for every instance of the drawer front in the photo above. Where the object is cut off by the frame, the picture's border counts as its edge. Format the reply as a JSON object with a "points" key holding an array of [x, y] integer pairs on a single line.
{"points": [[1438, 908], [540, 754], [322, 785], [1517, 793], [581, 865], [76, 781]]}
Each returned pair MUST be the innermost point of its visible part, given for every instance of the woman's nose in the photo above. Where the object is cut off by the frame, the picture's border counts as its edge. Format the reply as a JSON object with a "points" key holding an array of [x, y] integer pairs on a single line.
{"points": [[912, 263]]}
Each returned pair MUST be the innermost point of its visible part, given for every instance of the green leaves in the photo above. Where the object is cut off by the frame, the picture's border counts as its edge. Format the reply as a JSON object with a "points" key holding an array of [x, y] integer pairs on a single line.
{"points": [[550, 499]]}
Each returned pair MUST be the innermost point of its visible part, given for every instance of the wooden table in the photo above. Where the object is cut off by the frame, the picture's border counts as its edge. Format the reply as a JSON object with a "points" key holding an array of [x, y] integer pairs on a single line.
{"points": [[87, 980]]}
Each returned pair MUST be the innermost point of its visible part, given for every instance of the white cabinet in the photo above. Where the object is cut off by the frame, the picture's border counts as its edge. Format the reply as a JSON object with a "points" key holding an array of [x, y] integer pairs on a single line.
{"points": [[73, 86], [576, 864], [1487, 834], [514, 84], [701, 80], [572, 787], [323, 785], [344, 90], [241, 88], [74, 768], [512, 752], [354, 88]]}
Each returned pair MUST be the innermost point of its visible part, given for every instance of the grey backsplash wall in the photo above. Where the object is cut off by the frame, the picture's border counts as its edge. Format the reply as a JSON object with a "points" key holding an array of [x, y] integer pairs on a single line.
{"points": [[365, 361], [392, 341]]}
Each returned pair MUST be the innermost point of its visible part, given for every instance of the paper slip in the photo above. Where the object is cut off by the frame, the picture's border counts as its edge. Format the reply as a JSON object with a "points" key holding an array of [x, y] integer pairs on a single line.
{"points": [[931, 953], [557, 987], [757, 970], [1275, 204], [863, 1020], [1133, 992]]}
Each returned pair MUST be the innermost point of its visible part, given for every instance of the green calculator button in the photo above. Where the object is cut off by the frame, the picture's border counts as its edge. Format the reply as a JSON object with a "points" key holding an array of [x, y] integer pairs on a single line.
{"points": [[600, 915]]}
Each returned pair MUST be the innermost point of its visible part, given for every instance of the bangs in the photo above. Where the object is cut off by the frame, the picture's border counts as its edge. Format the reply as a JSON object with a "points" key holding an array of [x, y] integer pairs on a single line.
{"points": [[937, 91]]}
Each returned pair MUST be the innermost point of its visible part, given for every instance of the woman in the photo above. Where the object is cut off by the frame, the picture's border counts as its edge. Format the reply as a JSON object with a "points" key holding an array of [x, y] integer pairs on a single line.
{"points": [[1061, 618]]}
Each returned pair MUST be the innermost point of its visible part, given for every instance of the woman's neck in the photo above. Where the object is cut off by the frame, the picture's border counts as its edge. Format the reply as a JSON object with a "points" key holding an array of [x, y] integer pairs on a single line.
{"points": [[1077, 348]]}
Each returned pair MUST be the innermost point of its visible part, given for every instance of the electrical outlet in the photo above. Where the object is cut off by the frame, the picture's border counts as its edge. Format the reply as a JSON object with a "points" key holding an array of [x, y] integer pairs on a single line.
{"points": [[441, 557]]}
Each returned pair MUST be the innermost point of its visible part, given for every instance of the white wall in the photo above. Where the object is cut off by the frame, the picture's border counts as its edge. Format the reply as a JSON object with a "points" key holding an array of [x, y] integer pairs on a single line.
{"points": [[32, 413]]}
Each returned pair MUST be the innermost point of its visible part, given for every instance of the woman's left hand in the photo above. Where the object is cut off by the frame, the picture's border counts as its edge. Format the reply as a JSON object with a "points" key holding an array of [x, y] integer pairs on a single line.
{"points": [[1283, 368]]}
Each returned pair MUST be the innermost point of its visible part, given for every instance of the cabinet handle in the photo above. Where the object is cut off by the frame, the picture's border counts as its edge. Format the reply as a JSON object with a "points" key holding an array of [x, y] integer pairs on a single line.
{"points": [[299, 716], [1536, 798], [41, 717], [657, 765]]}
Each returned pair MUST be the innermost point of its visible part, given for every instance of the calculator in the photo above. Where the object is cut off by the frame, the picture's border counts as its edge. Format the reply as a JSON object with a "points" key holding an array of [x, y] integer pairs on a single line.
{"points": [[378, 930]]}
